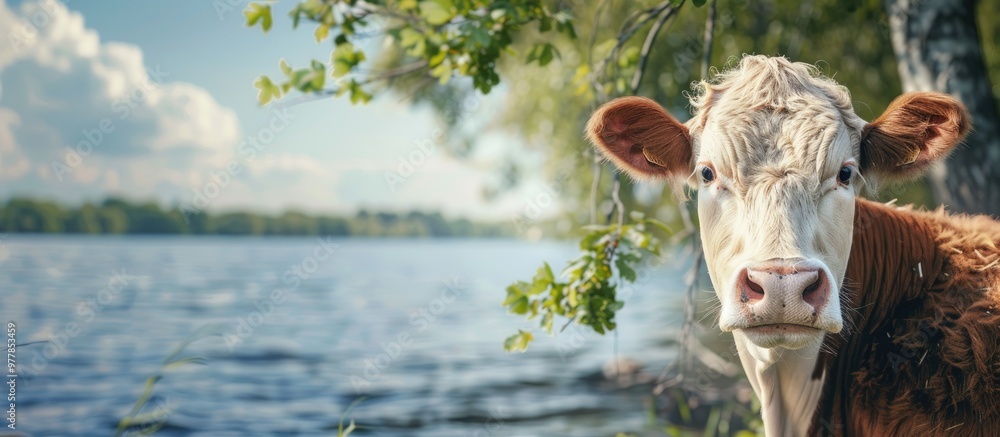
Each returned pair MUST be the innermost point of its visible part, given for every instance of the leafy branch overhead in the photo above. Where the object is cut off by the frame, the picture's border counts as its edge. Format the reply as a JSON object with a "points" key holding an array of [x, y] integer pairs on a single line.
{"points": [[586, 290], [441, 39]]}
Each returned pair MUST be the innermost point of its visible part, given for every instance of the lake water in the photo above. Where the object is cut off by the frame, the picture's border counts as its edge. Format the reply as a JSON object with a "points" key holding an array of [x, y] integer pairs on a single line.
{"points": [[413, 327]]}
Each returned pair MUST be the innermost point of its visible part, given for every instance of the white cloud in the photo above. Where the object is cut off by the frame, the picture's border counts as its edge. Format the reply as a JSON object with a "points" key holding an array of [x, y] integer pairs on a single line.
{"points": [[148, 136], [64, 90]]}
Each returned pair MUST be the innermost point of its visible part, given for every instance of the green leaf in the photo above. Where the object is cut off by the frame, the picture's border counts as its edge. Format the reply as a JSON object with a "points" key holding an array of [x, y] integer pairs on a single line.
{"points": [[544, 276], [518, 342], [698, 3], [479, 38], [547, 322], [437, 59], [547, 55], [359, 95], [543, 53], [344, 58], [436, 12], [442, 71], [267, 90], [629, 57], [285, 68], [520, 305], [572, 297], [258, 12], [516, 291], [626, 271], [590, 240], [412, 40], [567, 29], [544, 24], [322, 32]]}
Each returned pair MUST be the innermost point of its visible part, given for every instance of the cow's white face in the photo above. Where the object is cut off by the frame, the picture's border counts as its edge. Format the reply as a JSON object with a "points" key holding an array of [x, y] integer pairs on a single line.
{"points": [[776, 194], [777, 155]]}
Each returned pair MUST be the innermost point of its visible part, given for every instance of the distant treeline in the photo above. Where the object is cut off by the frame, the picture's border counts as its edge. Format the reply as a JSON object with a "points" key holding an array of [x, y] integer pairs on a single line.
{"points": [[119, 216]]}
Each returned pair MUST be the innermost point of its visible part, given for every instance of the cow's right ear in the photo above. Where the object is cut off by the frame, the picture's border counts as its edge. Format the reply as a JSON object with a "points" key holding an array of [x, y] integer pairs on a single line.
{"points": [[916, 130], [641, 138]]}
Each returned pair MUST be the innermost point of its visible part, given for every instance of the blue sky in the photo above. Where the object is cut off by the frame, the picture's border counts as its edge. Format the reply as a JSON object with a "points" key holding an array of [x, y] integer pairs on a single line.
{"points": [[156, 100]]}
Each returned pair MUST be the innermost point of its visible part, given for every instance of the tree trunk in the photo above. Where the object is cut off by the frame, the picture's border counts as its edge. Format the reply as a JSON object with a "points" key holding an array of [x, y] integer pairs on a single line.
{"points": [[938, 48]]}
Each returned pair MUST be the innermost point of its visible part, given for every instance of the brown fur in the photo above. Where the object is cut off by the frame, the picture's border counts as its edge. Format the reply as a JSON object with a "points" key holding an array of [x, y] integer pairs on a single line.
{"points": [[641, 138], [924, 357], [915, 130]]}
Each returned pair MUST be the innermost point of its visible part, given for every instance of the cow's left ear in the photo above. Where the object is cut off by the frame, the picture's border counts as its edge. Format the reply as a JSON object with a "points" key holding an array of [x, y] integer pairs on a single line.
{"points": [[917, 129], [642, 139]]}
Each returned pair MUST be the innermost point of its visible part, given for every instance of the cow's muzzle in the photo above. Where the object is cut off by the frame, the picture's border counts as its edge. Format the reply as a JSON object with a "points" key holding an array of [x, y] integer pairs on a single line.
{"points": [[783, 295]]}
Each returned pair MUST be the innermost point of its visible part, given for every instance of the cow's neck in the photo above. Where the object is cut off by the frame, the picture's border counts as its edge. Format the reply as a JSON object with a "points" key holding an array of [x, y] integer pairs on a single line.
{"points": [[894, 258], [783, 381]]}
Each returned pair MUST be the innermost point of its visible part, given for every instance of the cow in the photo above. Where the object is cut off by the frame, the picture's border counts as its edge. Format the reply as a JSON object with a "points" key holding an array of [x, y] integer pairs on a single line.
{"points": [[849, 316]]}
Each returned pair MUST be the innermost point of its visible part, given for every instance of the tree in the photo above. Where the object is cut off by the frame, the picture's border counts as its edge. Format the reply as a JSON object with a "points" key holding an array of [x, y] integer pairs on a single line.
{"points": [[237, 223], [937, 44], [84, 220], [27, 215]]}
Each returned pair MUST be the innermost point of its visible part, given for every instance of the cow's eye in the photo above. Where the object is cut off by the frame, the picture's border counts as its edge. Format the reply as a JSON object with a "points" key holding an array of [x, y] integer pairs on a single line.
{"points": [[844, 177], [707, 174]]}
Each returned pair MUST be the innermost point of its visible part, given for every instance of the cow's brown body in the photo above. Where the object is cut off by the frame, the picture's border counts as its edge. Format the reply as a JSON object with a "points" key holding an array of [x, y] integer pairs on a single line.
{"points": [[922, 355]]}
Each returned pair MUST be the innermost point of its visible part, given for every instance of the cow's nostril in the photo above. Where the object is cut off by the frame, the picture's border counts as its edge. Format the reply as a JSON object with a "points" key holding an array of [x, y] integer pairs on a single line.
{"points": [[812, 287], [815, 293], [751, 290]]}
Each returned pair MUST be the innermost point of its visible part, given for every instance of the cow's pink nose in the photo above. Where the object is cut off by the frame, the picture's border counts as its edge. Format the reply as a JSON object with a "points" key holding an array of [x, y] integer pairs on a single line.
{"points": [[784, 284]]}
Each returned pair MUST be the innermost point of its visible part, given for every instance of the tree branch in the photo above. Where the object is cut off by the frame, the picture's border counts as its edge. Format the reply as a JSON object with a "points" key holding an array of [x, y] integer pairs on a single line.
{"points": [[706, 61], [628, 30], [647, 45]]}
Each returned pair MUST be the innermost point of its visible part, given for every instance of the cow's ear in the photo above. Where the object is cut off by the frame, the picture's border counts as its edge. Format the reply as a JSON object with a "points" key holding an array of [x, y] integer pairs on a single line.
{"points": [[917, 129], [641, 138]]}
